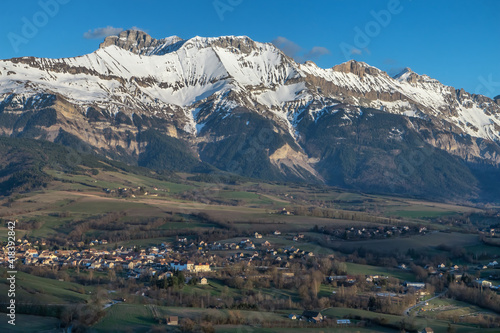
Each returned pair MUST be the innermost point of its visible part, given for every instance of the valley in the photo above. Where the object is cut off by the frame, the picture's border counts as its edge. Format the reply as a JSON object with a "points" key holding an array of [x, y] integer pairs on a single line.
{"points": [[351, 248]]}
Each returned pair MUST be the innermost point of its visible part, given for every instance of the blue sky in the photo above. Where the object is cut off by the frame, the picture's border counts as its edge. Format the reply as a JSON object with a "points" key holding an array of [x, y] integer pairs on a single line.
{"points": [[456, 42]]}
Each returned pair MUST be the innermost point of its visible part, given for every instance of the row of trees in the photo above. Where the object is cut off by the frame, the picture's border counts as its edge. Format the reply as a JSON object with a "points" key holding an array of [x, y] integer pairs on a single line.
{"points": [[480, 296], [343, 215]]}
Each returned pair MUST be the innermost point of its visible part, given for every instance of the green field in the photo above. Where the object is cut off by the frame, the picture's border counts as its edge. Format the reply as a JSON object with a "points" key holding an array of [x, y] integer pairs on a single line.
{"points": [[126, 318], [480, 248], [358, 269], [419, 214], [417, 242], [141, 242], [300, 330], [140, 318], [214, 288], [446, 308], [114, 179], [439, 326], [82, 197], [44, 290], [232, 211], [28, 323]]}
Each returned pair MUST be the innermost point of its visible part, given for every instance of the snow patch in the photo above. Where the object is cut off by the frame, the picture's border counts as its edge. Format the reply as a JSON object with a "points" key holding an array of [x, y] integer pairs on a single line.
{"points": [[282, 94]]}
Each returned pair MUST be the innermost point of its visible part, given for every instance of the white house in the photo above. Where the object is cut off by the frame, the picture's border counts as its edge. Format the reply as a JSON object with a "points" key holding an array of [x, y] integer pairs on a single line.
{"points": [[32, 253], [483, 283], [204, 267], [181, 265], [416, 285], [493, 264]]}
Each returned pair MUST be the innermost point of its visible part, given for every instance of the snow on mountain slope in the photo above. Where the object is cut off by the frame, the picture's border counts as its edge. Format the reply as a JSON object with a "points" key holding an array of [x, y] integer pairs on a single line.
{"points": [[282, 94], [192, 72], [100, 81], [135, 73], [412, 95]]}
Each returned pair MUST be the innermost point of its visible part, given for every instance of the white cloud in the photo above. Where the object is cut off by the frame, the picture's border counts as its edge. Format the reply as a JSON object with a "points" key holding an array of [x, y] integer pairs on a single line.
{"points": [[102, 32], [293, 50], [316, 52], [287, 46], [356, 51]]}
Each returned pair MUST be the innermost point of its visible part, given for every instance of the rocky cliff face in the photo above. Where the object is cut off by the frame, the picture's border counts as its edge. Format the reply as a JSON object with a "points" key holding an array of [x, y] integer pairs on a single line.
{"points": [[245, 107], [139, 42]]}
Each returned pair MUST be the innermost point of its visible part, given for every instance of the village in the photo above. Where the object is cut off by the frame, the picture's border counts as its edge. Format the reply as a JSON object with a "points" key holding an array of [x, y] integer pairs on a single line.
{"points": [[240, 267], [158, 260], [201, 260], [237, 267]]}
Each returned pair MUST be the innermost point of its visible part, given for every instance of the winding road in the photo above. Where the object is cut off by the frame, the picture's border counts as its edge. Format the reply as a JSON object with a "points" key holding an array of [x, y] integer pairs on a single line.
{"points": [[407, 311]]}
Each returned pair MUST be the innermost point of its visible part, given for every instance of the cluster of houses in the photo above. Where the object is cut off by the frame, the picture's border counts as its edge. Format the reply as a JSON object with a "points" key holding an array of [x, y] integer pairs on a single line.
{"points": [[418, 287], [316, 317], [344, 279], [146, 261], [251, 249], [266, 251], [455, 269], [155, 260], [458, 272], [347, 280], [284, 211], [190, 266], [490, 232], [164, 259], [130, 191], [378, 232]]}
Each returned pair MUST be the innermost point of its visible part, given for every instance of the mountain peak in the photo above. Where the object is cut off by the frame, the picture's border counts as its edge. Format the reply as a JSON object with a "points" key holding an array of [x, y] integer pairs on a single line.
{"points": [[230, 87], [404, 74], [243, 43], [407, 75], [356, 67], [139, 42]]}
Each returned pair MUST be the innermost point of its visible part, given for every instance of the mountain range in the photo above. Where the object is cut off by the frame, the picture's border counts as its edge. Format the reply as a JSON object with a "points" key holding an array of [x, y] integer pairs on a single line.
{"points": [[236, 105]]}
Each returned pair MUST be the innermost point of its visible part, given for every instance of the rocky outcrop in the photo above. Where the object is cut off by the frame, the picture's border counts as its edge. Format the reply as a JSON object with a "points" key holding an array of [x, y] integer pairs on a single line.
{"points": [[138, 42], [294, 161], [357, 68]]}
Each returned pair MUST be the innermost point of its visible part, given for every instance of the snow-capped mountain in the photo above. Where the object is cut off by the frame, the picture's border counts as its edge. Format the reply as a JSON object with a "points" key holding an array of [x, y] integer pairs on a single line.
{"points": [[218, 95]]}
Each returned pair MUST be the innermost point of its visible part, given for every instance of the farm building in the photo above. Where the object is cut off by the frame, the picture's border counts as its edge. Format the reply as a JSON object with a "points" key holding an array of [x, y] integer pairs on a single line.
{"points": [[312, 316], [173, 320]]}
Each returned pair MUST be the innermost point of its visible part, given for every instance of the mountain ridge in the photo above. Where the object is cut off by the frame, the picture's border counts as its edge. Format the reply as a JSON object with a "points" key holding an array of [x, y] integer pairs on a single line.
{"points": [[218, 94]]}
